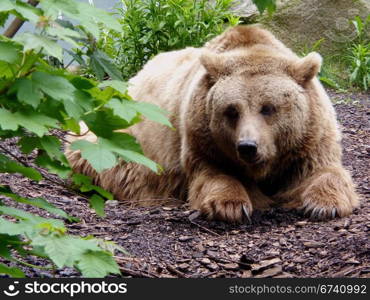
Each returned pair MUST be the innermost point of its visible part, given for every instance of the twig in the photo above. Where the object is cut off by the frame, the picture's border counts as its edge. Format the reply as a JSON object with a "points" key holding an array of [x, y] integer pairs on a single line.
{"points": [[43, 173], [17, 23], [204, 228], [137, 273], [14, 156], [177, 272]]}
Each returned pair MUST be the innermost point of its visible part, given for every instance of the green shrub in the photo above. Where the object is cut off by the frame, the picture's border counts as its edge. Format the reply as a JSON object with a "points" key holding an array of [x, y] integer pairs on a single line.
{"points": [[35, 99], [153, 26], [358, 56]]}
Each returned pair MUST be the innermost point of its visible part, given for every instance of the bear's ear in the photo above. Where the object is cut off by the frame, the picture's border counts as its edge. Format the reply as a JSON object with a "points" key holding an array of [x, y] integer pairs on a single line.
{"points": [[307, 68], [214, 64]]}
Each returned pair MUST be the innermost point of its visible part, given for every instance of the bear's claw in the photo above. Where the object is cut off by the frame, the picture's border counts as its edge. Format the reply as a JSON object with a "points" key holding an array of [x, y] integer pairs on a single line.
{"points": [[246, 213]]}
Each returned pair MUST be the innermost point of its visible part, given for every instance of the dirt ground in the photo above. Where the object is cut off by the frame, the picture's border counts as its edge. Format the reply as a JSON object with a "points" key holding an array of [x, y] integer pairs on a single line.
{"points": [[176, 242]]}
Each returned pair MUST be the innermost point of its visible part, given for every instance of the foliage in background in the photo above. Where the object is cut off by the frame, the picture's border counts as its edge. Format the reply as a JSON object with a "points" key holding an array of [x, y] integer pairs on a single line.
{"points": [[358, 56], [152, 26], [262, 5], [35, 98]]}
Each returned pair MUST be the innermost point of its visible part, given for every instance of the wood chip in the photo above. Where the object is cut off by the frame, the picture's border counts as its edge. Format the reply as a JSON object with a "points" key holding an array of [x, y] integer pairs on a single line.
{"points": [[313, 244], [230, 266], [264, 264], [270, 272], [205, 261]]}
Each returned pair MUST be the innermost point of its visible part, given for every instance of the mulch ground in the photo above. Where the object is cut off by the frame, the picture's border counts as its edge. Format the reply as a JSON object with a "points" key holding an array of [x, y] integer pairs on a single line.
{"points": [[176, 242]]}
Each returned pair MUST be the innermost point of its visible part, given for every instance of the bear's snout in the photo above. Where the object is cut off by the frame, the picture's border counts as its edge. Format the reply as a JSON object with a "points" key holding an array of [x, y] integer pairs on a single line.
{"points": [[248, 150]]}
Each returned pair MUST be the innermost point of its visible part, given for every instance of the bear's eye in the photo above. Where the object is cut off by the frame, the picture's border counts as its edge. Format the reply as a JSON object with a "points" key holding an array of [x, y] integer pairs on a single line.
{"points": [[231, 112], [268, 110]]}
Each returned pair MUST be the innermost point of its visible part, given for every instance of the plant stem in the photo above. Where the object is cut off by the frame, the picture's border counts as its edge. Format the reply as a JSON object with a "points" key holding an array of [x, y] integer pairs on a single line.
{"points": [[31, 265]]}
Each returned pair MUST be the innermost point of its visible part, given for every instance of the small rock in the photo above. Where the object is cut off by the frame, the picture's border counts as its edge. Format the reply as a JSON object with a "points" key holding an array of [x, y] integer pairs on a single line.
{"points": [[184, 238], [166, 208]]}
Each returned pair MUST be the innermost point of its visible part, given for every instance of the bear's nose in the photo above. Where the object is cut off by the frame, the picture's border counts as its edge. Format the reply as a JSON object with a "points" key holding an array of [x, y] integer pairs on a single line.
{"points": [[247, 149]]}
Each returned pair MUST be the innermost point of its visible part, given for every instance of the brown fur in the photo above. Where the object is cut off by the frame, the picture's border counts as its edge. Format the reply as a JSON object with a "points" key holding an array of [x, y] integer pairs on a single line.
{"points": [[299, 153]]}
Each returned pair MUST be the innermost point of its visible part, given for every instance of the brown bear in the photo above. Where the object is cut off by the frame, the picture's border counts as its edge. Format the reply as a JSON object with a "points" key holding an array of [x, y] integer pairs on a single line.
{"points": [[254, 128]]}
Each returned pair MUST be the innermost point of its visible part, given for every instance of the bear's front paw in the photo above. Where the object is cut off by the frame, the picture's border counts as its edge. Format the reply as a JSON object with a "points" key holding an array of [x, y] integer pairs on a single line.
{"points": [[329, 196], [227, 209]]}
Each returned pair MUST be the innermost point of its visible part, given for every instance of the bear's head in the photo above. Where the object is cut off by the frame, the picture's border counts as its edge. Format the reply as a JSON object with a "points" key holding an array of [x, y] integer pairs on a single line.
{"points": [[258, 105]]}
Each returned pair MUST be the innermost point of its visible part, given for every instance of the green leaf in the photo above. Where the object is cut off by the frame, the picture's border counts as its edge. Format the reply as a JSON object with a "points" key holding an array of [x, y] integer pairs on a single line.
{"points": [[37, 202], [120, 86], [122, 109], [97, 203], [6, 5], [118, 144], [53, 166], [8, 121], [65, 34], [55, 86], [151, 111], [37, 42], [11, 271], [28, 143], [82, 83], [97, 264], [64, 250], [52, 146], [270, 5], [85, 183], [89, 13], [9, 52], [10, 166], [27, 11], [103, 123], [28, 92], [11, 228], [53, 7], [34, 220], [101, 63], [120, 140], [5, 70], [4, 249], [35, 122], [97, 155], [131, 156]]}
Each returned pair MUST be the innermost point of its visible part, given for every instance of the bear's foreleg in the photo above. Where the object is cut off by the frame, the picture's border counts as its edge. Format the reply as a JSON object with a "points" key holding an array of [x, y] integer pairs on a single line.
{"points": [[218, 196], [325, 194]]}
